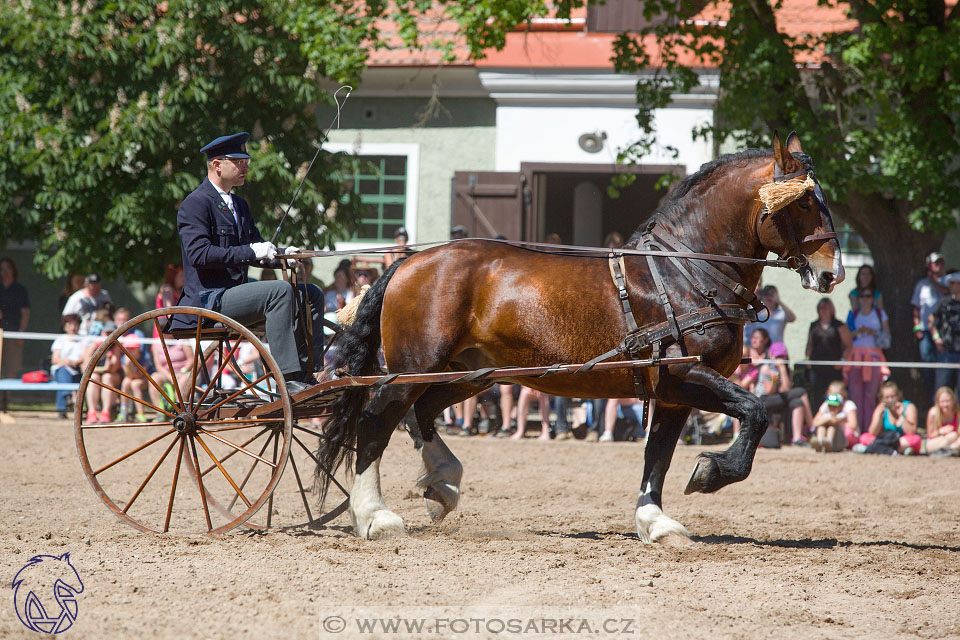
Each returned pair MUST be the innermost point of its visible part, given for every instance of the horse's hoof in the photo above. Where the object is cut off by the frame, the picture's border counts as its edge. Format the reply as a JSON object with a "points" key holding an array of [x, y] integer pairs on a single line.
{"points": [[705, 477], [676, 540], [440, 498], [385, 524]]}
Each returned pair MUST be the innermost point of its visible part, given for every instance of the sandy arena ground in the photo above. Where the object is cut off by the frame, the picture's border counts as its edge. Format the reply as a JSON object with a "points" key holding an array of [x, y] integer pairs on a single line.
{"points": [[810, 546]]}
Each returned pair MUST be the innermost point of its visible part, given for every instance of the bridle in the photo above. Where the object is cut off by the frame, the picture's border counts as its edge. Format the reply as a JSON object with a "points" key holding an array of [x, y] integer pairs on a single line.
{"points": [[793, 252]]}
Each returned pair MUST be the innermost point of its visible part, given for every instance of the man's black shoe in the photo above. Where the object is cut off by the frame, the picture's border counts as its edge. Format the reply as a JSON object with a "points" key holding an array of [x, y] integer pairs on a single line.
{"points": [[294, 386]]}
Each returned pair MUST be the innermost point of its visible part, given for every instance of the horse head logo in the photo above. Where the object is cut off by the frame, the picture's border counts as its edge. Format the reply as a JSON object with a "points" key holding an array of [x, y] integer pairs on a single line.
{"points": [[45, 593]]}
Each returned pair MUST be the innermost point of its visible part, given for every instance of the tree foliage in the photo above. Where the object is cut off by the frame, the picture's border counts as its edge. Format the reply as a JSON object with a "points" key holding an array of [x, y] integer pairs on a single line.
{"points": [[877, 103], [104, 105]]}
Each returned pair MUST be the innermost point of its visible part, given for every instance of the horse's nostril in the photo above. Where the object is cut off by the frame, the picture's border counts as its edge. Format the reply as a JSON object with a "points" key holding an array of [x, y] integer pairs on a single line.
{"points": [[827, 277]]}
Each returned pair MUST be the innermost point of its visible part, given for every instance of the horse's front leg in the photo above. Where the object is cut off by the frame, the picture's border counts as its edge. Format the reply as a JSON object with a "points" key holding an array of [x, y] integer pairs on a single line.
{"points": [[707, 390], [652, 524]]}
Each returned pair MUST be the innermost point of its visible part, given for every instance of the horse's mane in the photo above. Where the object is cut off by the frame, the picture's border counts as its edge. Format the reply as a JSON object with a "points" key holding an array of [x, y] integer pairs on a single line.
{"points": [[673, 204]]}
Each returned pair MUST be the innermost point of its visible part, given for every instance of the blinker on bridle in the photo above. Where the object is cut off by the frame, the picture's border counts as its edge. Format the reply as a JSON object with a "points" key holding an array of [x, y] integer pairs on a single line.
{"points": [[779, 199]]}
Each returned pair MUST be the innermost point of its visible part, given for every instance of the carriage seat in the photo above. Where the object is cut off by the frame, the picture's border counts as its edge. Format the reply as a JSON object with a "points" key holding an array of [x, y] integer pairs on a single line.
{"points": [[217, 331]]}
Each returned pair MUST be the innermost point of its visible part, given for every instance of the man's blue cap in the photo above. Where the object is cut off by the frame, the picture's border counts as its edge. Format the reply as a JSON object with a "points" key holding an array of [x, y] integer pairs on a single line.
{"points": [[232, 146]]}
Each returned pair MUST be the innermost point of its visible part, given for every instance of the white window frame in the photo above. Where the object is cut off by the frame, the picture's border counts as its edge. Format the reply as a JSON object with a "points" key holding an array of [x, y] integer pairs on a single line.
{"points": [[412, 153]]}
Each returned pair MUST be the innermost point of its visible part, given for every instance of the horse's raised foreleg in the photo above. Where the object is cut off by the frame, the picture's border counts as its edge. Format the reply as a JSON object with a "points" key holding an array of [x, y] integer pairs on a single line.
{"points": [[652, 524], [368, 511], [440, 479], [707, 390]]}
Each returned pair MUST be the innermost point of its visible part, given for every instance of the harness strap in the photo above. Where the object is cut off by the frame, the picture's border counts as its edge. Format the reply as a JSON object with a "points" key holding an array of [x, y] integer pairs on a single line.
{"points": [[738, 289], [662, 291], [617, 271]]}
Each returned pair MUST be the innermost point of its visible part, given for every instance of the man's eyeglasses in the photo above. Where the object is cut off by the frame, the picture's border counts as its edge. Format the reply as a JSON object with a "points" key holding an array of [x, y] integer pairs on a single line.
{"points": [[240, 162]]}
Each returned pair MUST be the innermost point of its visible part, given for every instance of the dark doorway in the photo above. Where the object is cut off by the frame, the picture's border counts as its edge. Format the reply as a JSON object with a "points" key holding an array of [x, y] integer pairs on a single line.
{"points": [[573, 201]]}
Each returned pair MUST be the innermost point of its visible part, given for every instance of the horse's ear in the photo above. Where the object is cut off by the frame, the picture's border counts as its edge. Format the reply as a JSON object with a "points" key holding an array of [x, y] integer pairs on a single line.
{"points": [[782, 157], [793, 143]]}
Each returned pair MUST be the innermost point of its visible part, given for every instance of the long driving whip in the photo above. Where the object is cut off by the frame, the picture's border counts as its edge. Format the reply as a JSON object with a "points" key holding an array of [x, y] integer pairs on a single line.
{"points": [[335, 121]]}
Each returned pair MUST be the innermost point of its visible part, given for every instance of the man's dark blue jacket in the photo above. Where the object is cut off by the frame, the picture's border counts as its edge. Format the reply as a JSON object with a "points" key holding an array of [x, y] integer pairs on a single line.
{"points": [[215, 252]]}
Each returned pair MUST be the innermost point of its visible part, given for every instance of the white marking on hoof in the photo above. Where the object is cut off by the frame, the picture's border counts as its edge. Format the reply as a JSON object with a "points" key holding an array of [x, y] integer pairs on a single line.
{"points": [[385, 524], [652, 524], [440, 479], [371, 518]]}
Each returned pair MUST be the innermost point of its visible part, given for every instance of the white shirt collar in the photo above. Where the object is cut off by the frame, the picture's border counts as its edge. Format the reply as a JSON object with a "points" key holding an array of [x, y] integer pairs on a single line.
{"points": [[227, 199]]}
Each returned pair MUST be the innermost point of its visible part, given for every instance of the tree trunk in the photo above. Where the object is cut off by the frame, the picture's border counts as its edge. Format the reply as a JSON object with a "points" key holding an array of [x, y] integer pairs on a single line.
{"points": [[898, 258]]}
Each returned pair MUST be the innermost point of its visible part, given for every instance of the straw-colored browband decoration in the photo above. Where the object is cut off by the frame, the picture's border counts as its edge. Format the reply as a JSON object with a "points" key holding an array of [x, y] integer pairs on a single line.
{"points": [[348, 314], [777, 195]]}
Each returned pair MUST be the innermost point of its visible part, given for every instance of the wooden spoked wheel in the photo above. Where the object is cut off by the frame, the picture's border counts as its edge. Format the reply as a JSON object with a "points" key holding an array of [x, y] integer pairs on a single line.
{"points": [[293, 503], [210, 433]]}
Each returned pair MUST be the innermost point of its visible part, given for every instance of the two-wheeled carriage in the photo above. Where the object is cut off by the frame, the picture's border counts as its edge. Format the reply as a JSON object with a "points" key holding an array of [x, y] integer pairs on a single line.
{"points": [[228, 438]]}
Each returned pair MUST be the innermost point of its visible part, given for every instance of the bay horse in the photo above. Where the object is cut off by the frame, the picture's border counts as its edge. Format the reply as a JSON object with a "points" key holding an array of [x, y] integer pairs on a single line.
{"points": [[477, 303]]}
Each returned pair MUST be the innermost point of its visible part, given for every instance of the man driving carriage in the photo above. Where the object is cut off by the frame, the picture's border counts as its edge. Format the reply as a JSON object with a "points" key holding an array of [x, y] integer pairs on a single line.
{"points": [[218, 240]]}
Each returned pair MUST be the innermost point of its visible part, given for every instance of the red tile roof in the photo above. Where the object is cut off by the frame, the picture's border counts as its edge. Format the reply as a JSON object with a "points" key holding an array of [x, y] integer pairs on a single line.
{"points": [[550, 43]]}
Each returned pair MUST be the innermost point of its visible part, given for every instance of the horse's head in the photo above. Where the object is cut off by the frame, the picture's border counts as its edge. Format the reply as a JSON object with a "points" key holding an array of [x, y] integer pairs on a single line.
{"points": [[794, 220]]}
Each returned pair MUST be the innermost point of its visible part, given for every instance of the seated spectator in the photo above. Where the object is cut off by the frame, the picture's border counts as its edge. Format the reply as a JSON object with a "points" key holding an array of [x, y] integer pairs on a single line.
{"points": [[340, 292], [943, 434], [866, 279], [745, 375], [618, 407], [87, 302], [866, 324], [181, 360], [827, 339], [775, 388], [66, 359], [944, 323], [134, 381], [107, 371], [893, 427], [836, 421]]}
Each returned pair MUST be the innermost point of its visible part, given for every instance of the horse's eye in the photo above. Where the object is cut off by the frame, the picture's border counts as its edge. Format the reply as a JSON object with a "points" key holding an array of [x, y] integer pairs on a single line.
{"points": [[804, 204]]}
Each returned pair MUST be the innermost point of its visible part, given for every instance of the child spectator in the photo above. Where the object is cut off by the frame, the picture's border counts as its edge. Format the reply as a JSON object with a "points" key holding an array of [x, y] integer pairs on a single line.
{"points": [[836, 421], [893, 427], [107, 371], [866, 325], [943, 435], [66, 359]]}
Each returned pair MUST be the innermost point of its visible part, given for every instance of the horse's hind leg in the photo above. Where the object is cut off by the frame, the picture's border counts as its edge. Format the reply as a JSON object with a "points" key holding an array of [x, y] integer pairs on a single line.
{"points": [[652, 524], [440, 479], [368, 511]]}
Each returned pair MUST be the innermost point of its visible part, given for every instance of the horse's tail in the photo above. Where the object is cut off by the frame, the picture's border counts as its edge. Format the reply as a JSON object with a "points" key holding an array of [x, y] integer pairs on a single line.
{"points": [[356, 350]]}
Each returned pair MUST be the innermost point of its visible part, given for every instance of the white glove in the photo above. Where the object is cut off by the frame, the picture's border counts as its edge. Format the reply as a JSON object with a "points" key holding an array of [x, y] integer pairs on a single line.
{"points": [[291, 261], [264, 250]]}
